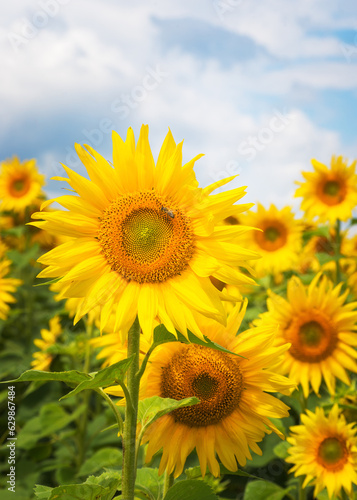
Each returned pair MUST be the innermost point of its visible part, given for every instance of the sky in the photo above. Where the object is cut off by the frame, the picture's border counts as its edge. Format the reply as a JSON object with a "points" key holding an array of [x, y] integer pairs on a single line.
{"points": [[259, 86]]}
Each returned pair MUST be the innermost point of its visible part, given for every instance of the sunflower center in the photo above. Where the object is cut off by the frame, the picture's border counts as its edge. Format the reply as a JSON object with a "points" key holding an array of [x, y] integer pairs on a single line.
{"points": [[145, 234], [204, 386], [331, 188], [332, 191], [273, 236], [19, 187], [313, 337], [311, 333], [332, 453], [145, 241], [210, 375]]}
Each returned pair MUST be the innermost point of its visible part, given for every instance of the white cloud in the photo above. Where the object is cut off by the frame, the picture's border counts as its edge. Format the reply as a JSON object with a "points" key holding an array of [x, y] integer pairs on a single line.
{"points": [[91, 54]]}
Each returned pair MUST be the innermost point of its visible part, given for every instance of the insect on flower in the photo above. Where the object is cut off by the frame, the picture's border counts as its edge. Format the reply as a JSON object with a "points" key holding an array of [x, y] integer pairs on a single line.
{"points": [[168, 212]]}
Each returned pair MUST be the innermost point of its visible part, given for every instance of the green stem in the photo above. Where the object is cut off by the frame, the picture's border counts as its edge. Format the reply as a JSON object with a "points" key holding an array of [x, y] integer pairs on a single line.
{"points": [[169, 481], [131, 414], [338, 250]]}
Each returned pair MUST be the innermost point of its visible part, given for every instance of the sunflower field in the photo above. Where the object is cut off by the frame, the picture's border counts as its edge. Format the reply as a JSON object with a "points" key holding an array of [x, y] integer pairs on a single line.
{"points": [[160, 340]]}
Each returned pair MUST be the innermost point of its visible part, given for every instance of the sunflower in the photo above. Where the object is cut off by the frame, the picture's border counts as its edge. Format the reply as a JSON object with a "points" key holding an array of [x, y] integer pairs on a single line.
{"points": [[20, 184], [278, 242], [146, 238], [235, 405], [43, 359], [7, 285], [329, 193], [325, 450], [321, 329]]}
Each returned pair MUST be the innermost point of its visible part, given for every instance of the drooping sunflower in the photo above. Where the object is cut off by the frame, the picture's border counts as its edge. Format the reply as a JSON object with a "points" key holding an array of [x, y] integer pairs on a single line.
{"points": [[7, 286], [235, 401], [146, 238], [278, 242], [43, 359], [20, 184], [329, 193], [321, 328], [324, 449]]}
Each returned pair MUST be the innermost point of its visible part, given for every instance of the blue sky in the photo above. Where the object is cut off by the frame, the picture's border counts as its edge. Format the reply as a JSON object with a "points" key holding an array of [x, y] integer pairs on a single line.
{"points": [[260, 87]]}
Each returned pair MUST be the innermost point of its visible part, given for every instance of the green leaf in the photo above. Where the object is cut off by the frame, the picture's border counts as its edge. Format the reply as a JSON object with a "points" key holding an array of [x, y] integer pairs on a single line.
{"points": [[323, 258], [111, 480], [162, 336], [104, 378], [281, 449], [149, 484], [264, 490], [319, 231], [195, 472], [102, 487], [50, 282], [150, 409], [42, 492], [190, 489], [78, 492], [52, 418], [70, 377], [105, 457], [323, 495], [209, 343]]}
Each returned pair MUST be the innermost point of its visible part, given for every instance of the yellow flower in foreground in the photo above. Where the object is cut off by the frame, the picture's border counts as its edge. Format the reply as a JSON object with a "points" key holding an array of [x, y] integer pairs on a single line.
{"points": [[278, 242], [7, 286], [145, 238], [321, 330], [325, 450], [43, 359], [329, 193], [20, 184], [235, 404]]}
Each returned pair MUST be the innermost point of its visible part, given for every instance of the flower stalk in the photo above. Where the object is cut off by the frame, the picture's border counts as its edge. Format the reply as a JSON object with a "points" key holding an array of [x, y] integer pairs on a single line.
{"points": [[131, 413]]}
